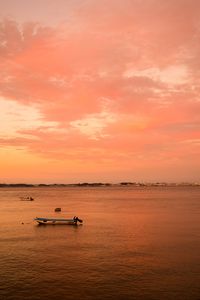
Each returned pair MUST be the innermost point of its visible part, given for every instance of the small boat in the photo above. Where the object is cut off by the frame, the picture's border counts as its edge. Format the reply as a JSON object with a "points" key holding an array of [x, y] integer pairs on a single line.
{"points": [[56, 221], [26, 198]]}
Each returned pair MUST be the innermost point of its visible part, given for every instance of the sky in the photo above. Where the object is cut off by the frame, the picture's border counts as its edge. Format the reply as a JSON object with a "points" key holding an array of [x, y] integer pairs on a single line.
{"points": [[99, 91]]}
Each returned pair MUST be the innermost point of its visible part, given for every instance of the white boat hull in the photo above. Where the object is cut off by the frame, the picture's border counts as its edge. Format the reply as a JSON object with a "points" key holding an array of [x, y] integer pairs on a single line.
{"points": [[48, 221]]}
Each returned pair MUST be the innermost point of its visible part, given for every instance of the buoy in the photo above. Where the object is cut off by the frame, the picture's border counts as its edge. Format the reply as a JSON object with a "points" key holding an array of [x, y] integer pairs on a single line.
{"points": [[58, 209]]}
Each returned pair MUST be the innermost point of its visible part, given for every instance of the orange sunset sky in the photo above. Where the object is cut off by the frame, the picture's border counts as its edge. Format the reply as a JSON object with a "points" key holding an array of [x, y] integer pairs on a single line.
{"points": [[99, 90]]}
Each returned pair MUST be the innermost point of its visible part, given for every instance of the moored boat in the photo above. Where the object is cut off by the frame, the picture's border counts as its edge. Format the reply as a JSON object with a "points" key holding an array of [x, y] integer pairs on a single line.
{"points": [[58, 221], [26, 198]]}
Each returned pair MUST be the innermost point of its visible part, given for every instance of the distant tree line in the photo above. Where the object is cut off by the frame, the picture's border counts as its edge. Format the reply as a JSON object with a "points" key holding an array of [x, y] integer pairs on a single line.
{"points": [[97, 184], [16, 185]]}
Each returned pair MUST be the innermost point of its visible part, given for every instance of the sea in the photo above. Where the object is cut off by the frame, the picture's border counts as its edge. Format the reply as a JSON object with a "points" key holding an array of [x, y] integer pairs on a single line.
{"points": [[138, 243]]}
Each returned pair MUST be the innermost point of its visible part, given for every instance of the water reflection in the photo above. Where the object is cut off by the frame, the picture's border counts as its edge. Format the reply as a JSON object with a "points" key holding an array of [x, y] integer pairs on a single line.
{"points": [[133, 244]]}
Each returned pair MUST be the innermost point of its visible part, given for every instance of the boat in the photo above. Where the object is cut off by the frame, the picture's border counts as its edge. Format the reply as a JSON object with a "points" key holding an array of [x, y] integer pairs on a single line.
{"points": [[58, 221], [26, 198]]}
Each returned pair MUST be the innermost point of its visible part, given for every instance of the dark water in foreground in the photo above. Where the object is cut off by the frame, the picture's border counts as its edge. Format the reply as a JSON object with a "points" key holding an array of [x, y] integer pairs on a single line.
{"points": [[135, 243]]}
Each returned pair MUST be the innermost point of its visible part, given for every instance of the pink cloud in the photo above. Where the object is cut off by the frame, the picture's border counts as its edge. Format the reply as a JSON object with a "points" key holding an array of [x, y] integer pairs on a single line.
{"points": [[137, 62]]}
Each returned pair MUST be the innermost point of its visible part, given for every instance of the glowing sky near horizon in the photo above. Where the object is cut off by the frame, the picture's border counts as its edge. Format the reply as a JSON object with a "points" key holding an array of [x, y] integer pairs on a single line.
{"points": [[96, 90]]}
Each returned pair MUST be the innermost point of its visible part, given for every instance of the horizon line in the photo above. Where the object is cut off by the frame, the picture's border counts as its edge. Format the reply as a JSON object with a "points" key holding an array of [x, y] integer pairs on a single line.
{"points": [[123, 183]]}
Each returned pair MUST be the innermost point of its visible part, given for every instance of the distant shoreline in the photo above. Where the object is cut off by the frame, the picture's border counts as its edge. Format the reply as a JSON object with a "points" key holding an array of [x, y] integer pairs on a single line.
{"points": [[99, 184]]}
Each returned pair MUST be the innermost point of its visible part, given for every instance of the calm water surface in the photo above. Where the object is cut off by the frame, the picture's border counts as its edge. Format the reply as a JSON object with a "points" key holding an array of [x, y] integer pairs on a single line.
{"points": [[135, 243]]}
